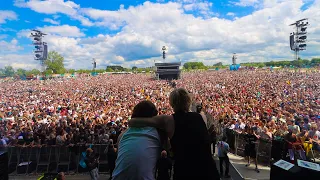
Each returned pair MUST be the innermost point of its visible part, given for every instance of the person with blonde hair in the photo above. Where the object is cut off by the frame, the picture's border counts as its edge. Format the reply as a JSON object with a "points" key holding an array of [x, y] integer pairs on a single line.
{"points": [[189, 138]]}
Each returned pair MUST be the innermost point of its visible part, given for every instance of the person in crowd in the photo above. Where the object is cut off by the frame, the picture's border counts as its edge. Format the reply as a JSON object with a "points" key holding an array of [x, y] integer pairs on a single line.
{"points": [[223, 149], [164, 167], [278, 100], [314, 136], [111, 156], [61, 176], [139, 148], [250, 147], [92, 162], [210, 126], [188, 135], [294, 144]]}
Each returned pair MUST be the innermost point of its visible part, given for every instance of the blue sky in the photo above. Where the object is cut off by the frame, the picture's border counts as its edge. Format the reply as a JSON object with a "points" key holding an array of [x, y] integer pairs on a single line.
{"points": [[132, 32]]}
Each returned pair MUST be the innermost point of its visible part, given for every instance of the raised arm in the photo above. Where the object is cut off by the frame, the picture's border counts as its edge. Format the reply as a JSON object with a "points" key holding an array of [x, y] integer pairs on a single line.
{"points": [[163, 122]]}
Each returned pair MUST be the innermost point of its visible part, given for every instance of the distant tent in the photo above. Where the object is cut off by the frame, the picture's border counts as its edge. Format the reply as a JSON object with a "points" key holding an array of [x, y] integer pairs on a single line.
{"points": [[23, 77], [94, 73], [234, 67]]}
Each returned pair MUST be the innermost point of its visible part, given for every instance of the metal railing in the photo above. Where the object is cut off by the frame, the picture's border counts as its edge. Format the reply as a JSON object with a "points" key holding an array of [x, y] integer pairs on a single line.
{"points": [[46, 159], [267, 150], [237, 143]]}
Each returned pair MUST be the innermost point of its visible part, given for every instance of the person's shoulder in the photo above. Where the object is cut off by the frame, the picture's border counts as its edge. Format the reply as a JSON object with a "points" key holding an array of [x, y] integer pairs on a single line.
{"points": [[194, 115]]}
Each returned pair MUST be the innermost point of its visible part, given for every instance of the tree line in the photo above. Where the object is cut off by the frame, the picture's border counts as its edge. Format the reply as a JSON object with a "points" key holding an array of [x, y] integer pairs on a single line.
{"points": [[54, 65], [300, 63]]}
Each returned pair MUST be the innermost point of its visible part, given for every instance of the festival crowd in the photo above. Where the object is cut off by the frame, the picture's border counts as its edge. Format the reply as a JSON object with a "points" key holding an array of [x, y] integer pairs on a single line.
{"points": [[93, 110]]}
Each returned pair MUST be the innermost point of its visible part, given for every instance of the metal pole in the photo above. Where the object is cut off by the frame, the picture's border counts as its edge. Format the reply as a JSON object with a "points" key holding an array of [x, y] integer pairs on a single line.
{"points": [[297, 48]]}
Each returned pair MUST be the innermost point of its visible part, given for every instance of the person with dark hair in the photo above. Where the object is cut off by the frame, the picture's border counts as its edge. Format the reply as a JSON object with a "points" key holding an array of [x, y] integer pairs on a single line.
{"points": [[223, 149], [111, 156], [61, 176], [250, 147], [164, 165], [92, 162], [188, 135], [138, 148]]}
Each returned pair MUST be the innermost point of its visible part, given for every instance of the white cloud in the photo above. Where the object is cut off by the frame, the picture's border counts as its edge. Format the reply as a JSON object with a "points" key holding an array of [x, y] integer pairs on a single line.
{"points": [[50, 6], [19, 61], [63, 30], [144, 29], [231, 14], [51, 21], [245, 3], [7, 15], [8, 47], [56, 16], [55, 7]]}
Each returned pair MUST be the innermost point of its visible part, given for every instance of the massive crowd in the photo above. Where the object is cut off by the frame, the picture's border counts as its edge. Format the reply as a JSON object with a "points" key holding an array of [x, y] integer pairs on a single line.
{"points": [[95, 109]]}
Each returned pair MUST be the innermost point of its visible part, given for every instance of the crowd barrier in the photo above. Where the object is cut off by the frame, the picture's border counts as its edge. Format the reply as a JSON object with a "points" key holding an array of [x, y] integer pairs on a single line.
{"points": [[46, 159], [236, 142], [267, 150]]}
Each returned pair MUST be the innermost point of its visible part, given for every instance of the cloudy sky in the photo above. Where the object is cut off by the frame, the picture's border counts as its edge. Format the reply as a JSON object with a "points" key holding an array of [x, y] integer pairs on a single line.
{"points": [[132, 32]]}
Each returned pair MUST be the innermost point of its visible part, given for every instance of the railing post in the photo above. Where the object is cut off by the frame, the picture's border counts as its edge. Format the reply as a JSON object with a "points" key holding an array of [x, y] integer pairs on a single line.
{"points": [[236, 142], [257, 151]]}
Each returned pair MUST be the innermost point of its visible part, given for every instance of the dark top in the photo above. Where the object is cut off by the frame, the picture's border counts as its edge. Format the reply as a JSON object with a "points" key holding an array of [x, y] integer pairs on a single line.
{"points": [[91, 162], [112, 156], [250, 139], [163, 167], [191, 148]]}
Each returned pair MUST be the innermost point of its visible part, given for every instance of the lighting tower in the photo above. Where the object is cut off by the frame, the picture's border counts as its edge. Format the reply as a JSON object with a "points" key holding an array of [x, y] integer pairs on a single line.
{"points": [[299, 37], [164, 52], [234, 59], [94, 63], [41, 48]]}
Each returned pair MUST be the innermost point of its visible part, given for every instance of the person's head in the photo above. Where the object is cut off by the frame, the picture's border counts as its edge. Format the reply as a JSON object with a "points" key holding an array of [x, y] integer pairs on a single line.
{"points": [[199, 108], [61, 176], [89, 151], [224, 138], [250, 131], [180, 100], [164, 154], [314, 126], [144, 109]]}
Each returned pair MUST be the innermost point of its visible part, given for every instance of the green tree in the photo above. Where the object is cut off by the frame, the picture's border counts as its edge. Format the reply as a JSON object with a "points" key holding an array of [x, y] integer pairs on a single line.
{"points": [[21, 72], [8, 71], [134, 68], [109, 69], [315, 61], [71, 71], [100, 70], [33, 71], [217, 64], [2, 73], [139, 70], [48, 71], [194, 65], [55, 63]]}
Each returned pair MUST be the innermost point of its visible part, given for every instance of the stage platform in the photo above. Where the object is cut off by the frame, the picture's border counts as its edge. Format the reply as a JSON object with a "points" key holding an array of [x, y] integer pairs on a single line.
{"points": [[238, 171]]}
